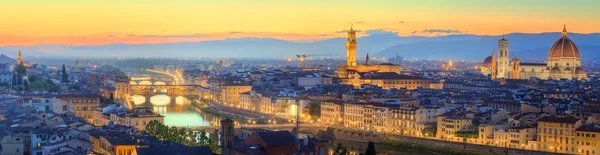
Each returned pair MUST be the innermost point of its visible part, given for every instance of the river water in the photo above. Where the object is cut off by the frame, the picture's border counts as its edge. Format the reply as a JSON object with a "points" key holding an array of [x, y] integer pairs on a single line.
{"points": [[177, 110]]}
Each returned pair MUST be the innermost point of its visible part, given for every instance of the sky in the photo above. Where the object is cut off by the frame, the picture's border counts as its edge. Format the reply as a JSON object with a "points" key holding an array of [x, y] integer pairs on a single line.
{"points": [[98, 22]]}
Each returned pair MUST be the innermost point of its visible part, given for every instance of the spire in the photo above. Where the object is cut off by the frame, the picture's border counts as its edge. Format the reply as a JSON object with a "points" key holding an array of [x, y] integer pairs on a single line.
{"points": [[19, 58], [564, 31], [367, 62], [351, 27]]}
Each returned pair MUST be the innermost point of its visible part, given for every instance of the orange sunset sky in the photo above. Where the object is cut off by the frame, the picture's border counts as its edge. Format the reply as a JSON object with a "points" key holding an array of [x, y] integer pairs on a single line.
{"points": [[97, 22]]}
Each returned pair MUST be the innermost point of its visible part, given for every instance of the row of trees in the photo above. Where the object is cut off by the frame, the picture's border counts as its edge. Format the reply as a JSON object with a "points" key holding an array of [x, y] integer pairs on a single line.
{"points": [[341, 150], [181, 135]]}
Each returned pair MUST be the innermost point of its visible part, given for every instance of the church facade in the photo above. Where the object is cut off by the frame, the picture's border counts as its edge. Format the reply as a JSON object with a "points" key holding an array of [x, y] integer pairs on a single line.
{"points": [[564, 62]]}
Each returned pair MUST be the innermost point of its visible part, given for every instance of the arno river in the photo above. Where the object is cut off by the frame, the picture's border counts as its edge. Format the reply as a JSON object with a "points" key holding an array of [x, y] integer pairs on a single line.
{"points": [[177, 110]]}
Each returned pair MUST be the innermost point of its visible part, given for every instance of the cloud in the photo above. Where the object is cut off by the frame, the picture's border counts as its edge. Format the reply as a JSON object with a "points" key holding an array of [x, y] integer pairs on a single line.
{"points": [[111, 35], [236, 32], [382, 31], [359, 22], [448, 31], [345, 31], [196, 35], [402, 22], [413, 32]]}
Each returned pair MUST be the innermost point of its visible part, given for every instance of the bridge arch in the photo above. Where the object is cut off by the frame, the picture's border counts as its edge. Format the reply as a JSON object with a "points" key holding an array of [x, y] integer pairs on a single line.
{"points": [[159, 83], [132, 83], [146, 83]]}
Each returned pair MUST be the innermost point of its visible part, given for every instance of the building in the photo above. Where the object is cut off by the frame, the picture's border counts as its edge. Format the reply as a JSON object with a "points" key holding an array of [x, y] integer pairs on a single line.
{"points": [[230, 92], [122, 89], [280, 142], [386, 80], [352, 67], [47, 104], [555, 134], [12, 142], [7, 67], [450, 124], [564, 62], [82, 104], [114, 143], [332, 112], [137, 117], [587, 139]]}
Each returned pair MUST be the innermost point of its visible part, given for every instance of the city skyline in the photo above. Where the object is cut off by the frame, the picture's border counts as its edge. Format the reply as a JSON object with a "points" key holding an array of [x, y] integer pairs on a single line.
{"points": [[68, 22]]}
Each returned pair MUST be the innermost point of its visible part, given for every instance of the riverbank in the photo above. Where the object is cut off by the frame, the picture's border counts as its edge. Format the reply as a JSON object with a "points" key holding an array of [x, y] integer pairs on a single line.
{"points": [[425, 149], [211, 111], [406, 143]]}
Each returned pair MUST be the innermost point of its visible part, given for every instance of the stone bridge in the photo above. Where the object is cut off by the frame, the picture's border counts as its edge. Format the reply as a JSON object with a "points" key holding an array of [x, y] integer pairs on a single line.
{"points": [[179, 90]]}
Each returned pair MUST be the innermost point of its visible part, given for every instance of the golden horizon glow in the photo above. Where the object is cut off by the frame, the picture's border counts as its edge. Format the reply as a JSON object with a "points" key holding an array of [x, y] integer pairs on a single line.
{"points": [[72, 22]]}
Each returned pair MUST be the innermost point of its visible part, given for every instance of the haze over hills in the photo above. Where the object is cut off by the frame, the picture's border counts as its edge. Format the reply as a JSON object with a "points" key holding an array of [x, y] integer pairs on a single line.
{"points": [[529, 47]]}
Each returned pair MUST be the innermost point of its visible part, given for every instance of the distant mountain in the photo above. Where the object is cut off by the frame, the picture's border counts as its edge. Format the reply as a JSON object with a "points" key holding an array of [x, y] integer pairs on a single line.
{"points": [[528, 47], [468, 47]]}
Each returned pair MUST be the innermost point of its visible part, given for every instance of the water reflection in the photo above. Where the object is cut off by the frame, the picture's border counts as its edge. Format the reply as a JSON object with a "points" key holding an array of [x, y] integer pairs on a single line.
{"points": [[178, 110], [160, 100]]}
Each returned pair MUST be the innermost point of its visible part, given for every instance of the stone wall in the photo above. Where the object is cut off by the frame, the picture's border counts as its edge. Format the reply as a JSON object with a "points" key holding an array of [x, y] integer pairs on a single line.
{"points": [[348, 134], [354, 135]]}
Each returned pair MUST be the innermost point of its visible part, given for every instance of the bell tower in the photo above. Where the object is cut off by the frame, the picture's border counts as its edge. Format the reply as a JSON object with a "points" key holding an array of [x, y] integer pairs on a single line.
{"points": [[351, 47], [19, 58], [503, 62], [227, 137]]}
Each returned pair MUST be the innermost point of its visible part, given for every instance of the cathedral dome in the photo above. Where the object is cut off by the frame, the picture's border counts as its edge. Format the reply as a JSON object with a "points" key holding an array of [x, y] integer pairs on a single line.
{"points": [[555, 70], [563, 47], [579, 70], [488, 61]]}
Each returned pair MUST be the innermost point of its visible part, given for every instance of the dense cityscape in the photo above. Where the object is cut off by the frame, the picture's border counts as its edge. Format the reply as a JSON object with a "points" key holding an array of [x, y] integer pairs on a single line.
{"points": [[302, 104]]}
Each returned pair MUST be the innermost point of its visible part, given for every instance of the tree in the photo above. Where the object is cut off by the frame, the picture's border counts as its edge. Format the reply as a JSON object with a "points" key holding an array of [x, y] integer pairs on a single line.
{"points": [[14, 79], [314, 110], [18, 88], [475, 121], [39, 85], [5, 85], [26, 86], [64, 76], [370, 149], [112, 97], [340, 149], [21, 69], [214, 146], [33, 78], [429, 131], [75, 87]]}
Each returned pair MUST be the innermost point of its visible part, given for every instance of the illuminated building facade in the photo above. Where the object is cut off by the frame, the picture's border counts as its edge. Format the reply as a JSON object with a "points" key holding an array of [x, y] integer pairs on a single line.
{"points": [[564, 62]]}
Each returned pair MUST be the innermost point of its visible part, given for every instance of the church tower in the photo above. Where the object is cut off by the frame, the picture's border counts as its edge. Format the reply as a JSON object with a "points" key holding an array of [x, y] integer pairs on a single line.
{"points": [[19, 58], [367, 62], [227, 137], [78, 63], [351, 47], [503, 62], [494, 67]]}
